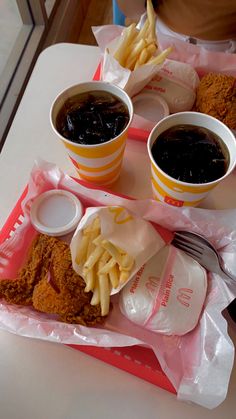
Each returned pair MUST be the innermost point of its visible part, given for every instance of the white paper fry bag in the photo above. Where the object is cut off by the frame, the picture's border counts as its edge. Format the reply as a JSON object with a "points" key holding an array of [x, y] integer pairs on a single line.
{"points": [[137, 237], [108, 38]]}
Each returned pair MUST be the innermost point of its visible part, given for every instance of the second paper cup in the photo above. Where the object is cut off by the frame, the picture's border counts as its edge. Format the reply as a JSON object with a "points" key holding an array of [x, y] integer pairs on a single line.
{"points": [[173, 191]]}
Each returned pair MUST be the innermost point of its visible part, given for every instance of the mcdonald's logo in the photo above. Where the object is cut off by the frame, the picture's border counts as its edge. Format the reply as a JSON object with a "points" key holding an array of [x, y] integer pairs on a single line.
{"points": [[184, 296], [121, 215], [174, 202]]}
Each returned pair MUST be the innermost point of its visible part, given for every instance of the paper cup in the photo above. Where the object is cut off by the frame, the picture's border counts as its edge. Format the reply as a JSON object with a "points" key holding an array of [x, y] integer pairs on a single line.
{"points": [[177, 193], [99, 164]]}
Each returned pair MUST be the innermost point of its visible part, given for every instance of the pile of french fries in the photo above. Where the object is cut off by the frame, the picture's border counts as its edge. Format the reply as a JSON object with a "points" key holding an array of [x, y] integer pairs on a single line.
{"points": [[105, 266], [140, 47]]}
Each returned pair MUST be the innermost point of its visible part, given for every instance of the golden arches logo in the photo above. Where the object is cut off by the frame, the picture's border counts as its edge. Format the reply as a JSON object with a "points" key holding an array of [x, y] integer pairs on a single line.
{"points": [[183, 295], [121, 216]]}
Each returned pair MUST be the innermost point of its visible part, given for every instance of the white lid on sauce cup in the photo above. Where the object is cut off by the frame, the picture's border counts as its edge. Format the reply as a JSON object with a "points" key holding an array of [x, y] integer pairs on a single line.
{"points": [[56, 212]]}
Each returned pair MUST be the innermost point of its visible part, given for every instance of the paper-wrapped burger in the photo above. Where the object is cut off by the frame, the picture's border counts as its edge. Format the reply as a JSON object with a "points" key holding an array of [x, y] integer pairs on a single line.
{"points": [[176, 83], [167, 294]]}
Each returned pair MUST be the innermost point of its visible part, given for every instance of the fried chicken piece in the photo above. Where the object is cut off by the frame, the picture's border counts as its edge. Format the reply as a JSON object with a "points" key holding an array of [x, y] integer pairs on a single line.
{"points": [[216, 96], [49, 283], [61, 291], [20, 290]]}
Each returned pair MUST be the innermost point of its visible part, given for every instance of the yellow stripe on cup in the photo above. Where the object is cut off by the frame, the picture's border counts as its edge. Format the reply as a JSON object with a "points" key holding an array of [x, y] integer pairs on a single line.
{"points": [[104, 179], [177, 187], [96, 151], [106, 166], [99, 170], [179, 195], [163, 196]]}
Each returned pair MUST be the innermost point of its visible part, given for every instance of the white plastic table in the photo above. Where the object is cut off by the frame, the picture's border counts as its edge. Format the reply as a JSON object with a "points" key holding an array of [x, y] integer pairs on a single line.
{"points": [[41, 380]]}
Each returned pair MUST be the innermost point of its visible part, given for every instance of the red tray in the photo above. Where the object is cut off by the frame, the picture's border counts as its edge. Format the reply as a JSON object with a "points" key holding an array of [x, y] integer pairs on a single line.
{"points": [[136, 360]]}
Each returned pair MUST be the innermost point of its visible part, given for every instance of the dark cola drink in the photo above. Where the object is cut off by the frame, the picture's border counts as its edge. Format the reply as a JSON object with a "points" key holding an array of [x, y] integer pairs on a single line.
{"points": [[191, 154], [92, 118]]}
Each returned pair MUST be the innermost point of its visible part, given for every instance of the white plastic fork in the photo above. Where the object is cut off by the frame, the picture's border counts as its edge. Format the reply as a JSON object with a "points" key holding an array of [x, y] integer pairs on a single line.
{"points": [[202, 251]]}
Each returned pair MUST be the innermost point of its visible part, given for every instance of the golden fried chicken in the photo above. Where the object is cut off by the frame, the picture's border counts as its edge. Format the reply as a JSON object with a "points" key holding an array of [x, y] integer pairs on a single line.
{"points": [[20, 290], [49, 283], [216, 96]]}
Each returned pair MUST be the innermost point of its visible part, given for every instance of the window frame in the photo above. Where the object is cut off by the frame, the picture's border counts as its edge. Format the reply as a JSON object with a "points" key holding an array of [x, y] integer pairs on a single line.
{"points": [[35, 26]]}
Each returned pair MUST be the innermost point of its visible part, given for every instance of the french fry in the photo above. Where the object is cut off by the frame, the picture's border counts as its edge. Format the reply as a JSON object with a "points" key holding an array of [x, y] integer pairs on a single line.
{"points": [[121, 251], [160, 57], [85, 273], [124, 275], [95, 226], [93, 258], [104, 290], [103, 259], [151, 49], [108, 266], [142, 58], [127, 262], [138, 47], [129, 34], [90, 280], [104, 287], [92, 236], [82, 251], [96, 294], [143, 33], [132, 58], [105, 265], [89, 234], [104, 293], [152, 20], [98, 240], [145, 55], [114, 276], [113, 251]]}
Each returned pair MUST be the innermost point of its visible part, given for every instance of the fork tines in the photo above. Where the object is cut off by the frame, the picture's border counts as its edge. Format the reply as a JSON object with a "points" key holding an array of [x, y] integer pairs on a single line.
{"points": [[187, 244]]}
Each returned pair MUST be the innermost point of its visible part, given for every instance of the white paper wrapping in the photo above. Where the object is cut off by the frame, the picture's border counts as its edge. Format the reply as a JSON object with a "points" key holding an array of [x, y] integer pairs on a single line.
{"points": [[176, 82], [167, 294], [108, 38]]}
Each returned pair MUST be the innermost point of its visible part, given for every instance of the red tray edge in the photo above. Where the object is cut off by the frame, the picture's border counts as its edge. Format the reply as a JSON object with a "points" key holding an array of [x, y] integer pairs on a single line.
{"points": [[157, 378]]}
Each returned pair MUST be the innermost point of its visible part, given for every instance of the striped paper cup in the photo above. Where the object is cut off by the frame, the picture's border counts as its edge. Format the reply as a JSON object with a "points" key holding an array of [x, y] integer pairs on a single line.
{"points": [[175, 192], [99, 164]]}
